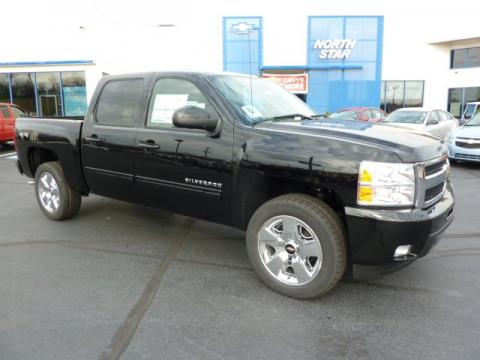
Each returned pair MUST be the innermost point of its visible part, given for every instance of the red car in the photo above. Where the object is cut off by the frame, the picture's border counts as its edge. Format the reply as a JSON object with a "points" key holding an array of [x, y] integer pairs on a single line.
{"points": [[360, 113], [8, 113]]}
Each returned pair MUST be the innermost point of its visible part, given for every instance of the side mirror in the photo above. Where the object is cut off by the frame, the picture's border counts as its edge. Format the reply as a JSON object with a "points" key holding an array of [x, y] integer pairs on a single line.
{"points": [[432, 122], [192, 117]]}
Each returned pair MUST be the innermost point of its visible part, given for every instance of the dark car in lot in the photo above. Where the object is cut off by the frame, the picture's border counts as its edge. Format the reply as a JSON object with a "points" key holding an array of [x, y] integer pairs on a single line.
{"points": [[317, 197], [360, 113], [8, 113]]}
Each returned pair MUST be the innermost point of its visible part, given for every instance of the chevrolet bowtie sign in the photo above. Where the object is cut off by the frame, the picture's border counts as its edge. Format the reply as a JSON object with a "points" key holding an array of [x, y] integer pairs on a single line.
{"points": [[242, 28], [335, 48]]}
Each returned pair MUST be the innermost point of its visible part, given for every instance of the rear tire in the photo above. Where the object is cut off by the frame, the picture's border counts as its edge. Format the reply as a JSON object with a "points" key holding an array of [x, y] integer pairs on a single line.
{"points": [[297, 246], [55, 197]]}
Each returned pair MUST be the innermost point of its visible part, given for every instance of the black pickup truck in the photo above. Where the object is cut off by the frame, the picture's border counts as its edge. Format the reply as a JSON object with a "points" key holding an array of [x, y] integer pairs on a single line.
{"points": [[318, 198]]}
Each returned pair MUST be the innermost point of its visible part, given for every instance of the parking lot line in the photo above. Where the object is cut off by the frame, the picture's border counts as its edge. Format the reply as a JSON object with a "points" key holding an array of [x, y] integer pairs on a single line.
{"points": [[124, 334], [8, 154]]}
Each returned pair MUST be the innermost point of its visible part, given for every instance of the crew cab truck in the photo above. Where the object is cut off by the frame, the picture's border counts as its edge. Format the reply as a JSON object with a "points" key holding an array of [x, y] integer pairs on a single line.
{"points": [[317, 197]]}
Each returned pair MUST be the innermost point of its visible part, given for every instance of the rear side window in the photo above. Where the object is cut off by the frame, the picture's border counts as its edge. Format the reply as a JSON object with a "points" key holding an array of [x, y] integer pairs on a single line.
{"points": [[118, 104], [4, 111], [17, 112], [434, 116]]}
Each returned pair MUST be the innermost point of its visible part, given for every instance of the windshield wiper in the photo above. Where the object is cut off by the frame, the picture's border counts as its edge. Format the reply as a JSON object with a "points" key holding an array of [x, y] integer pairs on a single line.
{"points": [[283, 117], [319, 116]]}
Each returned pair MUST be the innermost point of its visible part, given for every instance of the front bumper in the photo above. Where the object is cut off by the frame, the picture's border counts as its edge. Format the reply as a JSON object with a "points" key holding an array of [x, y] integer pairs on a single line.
{"points": [[460, 153], [374, 235]]}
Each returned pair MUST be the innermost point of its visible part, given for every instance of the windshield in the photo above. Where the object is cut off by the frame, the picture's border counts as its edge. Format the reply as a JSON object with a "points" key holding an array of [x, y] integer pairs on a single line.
{"points": [[469, 111], [266, 101], [345, 115], [407, 117], [475, 121]]}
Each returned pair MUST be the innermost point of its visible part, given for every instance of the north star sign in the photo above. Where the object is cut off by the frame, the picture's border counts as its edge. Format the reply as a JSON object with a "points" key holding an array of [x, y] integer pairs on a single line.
{"points": [[335, 48]]}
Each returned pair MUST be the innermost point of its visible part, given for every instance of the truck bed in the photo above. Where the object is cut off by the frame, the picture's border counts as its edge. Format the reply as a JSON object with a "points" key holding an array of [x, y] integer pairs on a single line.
{"points": [[57, 136]]}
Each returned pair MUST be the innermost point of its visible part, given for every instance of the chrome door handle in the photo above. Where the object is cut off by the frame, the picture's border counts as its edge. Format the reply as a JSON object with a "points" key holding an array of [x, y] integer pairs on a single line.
{"points": [[94, 138], [148, 145]]}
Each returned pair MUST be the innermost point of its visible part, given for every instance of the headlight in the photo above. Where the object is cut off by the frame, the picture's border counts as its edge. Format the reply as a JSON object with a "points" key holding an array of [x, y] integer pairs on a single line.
{"points": [[386, 184]]}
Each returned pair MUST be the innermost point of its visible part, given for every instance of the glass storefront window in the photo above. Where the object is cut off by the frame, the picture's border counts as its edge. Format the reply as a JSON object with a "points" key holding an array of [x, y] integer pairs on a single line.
{"points": [[401, 94], [23, 92], [459, 97], [464, 58], [382, 96], [48, 87], [455, 102], [458, 58], [394, 92], [413, 93], [74, 93], [57, 93], [472, 94], [4, 89], [473, 57]]}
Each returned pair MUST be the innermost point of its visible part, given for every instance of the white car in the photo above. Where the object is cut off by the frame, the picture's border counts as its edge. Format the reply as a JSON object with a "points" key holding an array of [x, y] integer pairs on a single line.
{"points": [[464, 142], [434, 122]]}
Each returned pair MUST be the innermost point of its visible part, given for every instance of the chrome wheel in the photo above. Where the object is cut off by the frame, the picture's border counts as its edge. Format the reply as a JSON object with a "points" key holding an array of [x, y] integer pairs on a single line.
{"points": [[289, 250], [48, 192]]}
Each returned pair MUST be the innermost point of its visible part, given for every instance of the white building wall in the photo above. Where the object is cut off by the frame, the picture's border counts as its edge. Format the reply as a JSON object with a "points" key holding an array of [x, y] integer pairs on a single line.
{"points": [[124, 37]]}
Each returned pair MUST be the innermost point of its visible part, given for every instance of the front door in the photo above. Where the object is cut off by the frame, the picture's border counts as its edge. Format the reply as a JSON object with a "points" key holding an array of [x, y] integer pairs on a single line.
{"points": [[183, 170], [109, 137]]}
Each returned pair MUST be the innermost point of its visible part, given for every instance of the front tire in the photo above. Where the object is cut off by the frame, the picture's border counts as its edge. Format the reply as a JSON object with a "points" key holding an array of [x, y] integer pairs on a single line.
{"points": [[297, 246], [54, 196]]}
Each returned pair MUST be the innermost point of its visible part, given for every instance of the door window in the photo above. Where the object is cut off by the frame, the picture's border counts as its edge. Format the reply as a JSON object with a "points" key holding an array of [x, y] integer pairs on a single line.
{"points": [[443, 116], [434, 118], [118, 104], [170, 95], [4, 111], [17, 112]]}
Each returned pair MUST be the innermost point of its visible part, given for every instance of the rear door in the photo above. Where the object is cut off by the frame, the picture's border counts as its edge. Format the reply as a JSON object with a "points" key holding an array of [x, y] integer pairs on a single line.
{"points": [[183, 170], [109, 136]]}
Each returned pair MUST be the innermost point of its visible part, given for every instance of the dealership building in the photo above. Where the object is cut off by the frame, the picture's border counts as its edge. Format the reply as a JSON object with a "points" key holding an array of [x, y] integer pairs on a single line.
{"points": [[331, 58]]}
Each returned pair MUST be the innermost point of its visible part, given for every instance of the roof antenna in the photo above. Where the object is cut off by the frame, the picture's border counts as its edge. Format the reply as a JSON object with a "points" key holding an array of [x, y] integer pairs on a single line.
{"points": [[250, 70]]}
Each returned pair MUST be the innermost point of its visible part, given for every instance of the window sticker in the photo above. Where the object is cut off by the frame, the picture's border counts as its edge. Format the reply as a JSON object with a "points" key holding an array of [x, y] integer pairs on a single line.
{"points": [[165, 105], [252, 112]]}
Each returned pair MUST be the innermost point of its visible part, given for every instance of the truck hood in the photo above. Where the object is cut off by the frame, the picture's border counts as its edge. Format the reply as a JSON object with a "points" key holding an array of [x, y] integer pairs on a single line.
{"points": [[409, 145]]}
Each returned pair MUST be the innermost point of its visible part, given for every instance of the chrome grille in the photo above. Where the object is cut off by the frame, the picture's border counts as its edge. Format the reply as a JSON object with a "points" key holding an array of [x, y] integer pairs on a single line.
{"points": [[432, 180], [467, 145]]}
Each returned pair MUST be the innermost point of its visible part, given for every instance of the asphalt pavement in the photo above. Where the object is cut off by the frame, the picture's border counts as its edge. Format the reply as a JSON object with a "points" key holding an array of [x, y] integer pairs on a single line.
{"points": [[120, 280]]}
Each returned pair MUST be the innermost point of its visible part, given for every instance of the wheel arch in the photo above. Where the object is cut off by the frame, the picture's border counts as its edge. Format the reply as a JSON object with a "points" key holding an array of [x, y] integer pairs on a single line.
{"points": [[260, 190], [37, 155]]}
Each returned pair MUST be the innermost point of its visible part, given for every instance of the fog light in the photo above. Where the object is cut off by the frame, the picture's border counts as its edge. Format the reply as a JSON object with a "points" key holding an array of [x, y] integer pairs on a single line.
{"points": [[403, 253]]}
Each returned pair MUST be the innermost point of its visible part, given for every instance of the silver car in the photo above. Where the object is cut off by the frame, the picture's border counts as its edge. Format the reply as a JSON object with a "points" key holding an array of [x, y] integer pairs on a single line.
{"points": [[434, 122], [464, 142]]}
